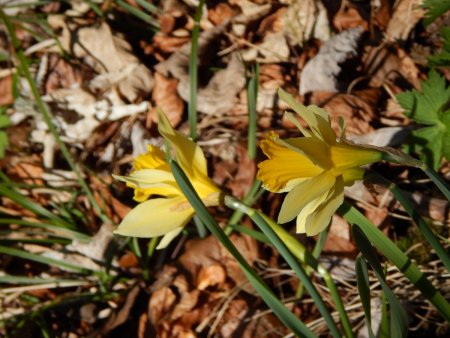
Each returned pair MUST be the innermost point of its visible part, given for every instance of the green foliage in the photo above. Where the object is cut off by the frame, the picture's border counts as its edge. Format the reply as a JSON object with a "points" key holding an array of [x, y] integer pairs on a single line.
{"points": [[443, 58], [4, 122], [430, 108], [435, 8]]}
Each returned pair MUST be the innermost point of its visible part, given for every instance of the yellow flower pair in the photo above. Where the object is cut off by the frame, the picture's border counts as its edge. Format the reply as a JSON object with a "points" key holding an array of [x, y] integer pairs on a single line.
{"points": [[313, 170]]}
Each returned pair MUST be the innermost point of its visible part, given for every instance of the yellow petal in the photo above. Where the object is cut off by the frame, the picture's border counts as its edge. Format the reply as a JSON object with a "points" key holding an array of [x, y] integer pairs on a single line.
{"points": [[189, 155], [283, 165], [308, 210], [303, 194], [167, 238], [317, 118], [317, 151], [347, 156], [318, 220], [147, 182], [153, 159], [155, 217]]}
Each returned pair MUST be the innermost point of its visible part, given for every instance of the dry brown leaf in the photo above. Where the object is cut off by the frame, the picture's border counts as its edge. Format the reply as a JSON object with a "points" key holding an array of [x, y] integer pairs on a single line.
{"points": [[386, 64], [220, 93], [168, 44], [6, 96], [161, 302], [407, 13], [304, 20], [338, 239], [187, 299], [221, 13], [358, 110], [210, 276], [166, 97], [28, 172], [348, 17], [61, 74], [245, 174], [121, 316], [128, 260], [206, 252], [113, 59]]}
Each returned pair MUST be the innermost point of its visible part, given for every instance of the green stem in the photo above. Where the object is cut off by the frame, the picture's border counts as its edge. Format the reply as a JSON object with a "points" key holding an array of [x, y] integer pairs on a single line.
{"points": [[438, 180], [272, 232], [304, 256], [397, 257], [249, 198], [23, 67], [193, 72]]}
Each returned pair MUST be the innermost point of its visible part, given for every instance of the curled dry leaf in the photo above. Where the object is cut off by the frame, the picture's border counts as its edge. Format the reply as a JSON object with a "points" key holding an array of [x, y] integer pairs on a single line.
{"points": [[407, 13], [166, 97], [304, 20], [201, 253], [112, 58], [161, 302], [210, 275], [387, 64], [320, 72]]}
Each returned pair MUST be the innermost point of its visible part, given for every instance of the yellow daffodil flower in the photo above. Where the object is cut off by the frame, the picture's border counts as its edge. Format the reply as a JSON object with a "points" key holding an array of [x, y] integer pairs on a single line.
{"points": [[167, 214], [313, 169]]}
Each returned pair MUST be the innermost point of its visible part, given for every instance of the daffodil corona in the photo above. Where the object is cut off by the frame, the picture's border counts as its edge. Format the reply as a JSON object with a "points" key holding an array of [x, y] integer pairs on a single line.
{"points": [[167, 214], [313, 169]]}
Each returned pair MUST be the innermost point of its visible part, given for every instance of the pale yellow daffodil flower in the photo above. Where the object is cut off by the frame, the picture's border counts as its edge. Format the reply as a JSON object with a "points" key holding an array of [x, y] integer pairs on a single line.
{"points": [[313, 169], [167, 214]]}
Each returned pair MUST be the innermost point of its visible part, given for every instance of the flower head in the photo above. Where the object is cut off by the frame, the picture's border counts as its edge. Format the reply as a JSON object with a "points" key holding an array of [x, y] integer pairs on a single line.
{"points": [[167, 214], [313, 169]]}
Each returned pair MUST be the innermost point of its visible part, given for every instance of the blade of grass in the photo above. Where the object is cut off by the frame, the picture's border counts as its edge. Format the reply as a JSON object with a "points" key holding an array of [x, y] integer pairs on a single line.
{"points": [[45, 260], [411, 209], [193, 72], [15, 280], [252, 96], [24, 69], [363, 284], [397, 257], [139, 14], [399, 318], [276, 241], [34, 207], [438, 180], [149, 6], [287, 317], [259, 236]]}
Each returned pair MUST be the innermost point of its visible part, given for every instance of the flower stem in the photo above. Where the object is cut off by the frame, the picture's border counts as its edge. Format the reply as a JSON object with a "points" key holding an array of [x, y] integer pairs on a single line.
{"points": [[193, 72], [280, 240]]}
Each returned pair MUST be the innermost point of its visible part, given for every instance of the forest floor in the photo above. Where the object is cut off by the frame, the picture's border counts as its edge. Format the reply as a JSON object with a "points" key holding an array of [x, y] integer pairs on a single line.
{"points": [[103, 67]]}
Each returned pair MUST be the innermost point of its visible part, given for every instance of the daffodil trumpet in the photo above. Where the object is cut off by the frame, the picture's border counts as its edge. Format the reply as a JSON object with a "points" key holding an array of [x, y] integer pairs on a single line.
{"points": [[163, 209], [313, 169]]}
